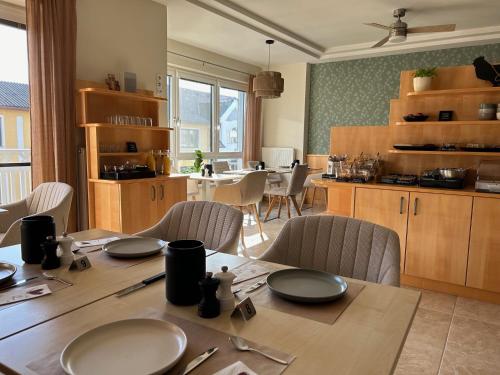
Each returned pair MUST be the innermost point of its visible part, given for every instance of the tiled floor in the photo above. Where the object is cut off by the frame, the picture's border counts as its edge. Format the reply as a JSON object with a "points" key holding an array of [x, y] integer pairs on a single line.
{"points": [[449, 336]]}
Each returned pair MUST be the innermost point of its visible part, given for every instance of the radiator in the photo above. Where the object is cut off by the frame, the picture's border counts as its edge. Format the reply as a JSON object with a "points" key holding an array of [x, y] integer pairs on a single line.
{"points": [[277, 156]]}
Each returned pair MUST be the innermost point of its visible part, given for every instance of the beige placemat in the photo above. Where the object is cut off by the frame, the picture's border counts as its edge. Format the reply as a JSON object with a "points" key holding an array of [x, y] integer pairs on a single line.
{"points": [[324, 312], [200, 339]]}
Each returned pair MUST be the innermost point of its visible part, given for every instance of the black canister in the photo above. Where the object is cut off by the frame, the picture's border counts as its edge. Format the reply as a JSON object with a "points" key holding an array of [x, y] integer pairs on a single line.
{"points": [[34, 232], [185, 268]]}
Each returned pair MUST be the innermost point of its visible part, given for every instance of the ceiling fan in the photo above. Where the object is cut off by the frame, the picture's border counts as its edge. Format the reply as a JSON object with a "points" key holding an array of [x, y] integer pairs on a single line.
{"points": [[399, 29]]}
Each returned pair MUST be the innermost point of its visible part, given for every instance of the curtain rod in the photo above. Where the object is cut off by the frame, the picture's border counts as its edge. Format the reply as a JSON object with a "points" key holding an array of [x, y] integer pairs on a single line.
{"points": [[208, 62]]}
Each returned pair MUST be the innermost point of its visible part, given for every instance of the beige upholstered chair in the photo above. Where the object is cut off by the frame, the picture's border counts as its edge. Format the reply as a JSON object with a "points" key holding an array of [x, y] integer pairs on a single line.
{"points": [[309, 185], [247, 192], [220, 166], [339, 245], [252, 164], [278, 194], [216, 224], [50, 198]]}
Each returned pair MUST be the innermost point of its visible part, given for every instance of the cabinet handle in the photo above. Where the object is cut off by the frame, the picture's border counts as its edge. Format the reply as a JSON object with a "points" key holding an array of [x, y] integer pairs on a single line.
{"points": [[415, 204], [153, 193], [401, 202], [162, 192]]}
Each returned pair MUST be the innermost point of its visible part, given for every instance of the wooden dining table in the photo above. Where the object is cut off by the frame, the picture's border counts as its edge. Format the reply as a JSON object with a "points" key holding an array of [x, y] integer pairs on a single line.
{"points": [[366, 339]]}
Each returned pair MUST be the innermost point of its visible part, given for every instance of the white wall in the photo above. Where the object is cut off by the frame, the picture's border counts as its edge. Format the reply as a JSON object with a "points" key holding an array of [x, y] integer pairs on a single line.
{"points": [[176, 49], [114, 36], [285, 118]]}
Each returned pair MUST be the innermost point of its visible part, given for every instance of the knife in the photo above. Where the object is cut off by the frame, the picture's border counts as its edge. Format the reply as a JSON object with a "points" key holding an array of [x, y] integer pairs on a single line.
{"points": [[199, 360], [255, 286], [20, 282], [140, 285]]}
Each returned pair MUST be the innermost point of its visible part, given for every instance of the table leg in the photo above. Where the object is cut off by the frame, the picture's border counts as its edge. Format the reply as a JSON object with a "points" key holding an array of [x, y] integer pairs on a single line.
{"points": [[204, 194]]}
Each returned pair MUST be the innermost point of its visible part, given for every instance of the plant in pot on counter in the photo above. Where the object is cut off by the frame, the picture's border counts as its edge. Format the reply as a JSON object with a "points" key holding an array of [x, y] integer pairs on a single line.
{"points": [[198, 161], [422, 80]]}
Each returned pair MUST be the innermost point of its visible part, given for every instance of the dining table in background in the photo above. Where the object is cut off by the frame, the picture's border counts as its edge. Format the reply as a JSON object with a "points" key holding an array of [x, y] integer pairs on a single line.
{"points": [[366, 338], [215, 177]]}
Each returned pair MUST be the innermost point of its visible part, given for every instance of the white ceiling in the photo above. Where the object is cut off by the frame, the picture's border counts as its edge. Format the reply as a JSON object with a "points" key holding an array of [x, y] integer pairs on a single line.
{"points": [[322, 30]]}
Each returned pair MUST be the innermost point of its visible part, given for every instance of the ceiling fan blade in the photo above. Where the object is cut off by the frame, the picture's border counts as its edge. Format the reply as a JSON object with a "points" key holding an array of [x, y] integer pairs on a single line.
{"points": [[382, 42], [378, 26], [431, 29]]}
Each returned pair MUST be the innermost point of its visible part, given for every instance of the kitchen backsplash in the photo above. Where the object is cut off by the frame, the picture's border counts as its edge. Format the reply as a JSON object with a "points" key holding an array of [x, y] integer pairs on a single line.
{"points": [[357, 92]]}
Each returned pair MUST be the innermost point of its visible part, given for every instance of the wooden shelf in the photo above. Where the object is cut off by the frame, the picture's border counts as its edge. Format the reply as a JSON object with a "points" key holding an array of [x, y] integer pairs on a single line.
{"points": [[444, 153], [439, 123], [134, 127], [172, 176], [122, 94], [121, 153], [470, 91]]}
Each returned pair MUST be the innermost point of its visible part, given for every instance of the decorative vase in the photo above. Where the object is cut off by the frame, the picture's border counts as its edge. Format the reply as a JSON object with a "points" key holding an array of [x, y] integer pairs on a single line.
{"points": [[422, 83]]}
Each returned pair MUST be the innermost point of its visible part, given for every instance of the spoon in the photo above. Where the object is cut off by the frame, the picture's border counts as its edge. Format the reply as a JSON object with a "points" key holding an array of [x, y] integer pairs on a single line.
{"points": [[49, 276], [242, 345]]}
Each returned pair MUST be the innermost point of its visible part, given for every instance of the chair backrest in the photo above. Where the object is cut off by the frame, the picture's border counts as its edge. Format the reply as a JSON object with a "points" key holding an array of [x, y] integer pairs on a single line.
{"points": [[339, 245], [252, 164], [314, 176], [252, 187], [299, 174], [216, 224], [220, 166], [47, 196]]}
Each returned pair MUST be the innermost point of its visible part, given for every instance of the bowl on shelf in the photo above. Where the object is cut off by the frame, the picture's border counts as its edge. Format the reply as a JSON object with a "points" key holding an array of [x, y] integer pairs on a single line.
{"points": [[415, 117]]}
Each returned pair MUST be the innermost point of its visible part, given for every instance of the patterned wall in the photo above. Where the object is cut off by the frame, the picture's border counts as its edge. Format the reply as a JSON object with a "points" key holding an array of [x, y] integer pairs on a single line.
{"points": [[357, 92]]}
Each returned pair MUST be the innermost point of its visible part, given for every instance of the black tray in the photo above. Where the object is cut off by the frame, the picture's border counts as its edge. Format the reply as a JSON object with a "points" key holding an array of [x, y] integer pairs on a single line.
{"points": [[428, 147], [127, 175], [481, 149], [442, 183]]}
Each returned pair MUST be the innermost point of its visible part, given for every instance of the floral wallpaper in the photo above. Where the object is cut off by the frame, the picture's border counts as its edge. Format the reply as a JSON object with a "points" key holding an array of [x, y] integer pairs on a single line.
{"points": [[357, 92]]}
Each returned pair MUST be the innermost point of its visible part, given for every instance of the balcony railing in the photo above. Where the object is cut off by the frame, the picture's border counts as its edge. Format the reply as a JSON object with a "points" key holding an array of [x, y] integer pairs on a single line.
{"points": [[15, 174]]}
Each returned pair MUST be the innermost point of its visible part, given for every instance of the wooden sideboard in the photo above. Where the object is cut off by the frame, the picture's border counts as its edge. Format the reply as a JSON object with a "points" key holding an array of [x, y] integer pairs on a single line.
{"points": [[449, 239], [126, 206]]}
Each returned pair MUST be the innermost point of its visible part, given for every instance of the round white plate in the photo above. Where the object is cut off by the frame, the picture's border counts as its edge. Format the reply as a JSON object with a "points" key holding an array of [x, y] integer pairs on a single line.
{"points": [[132, 346], [134, 247], [302, 285], [7, 270]]}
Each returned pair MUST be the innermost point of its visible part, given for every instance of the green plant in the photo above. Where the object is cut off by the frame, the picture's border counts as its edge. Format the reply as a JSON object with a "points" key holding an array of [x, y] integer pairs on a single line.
{"points": [[426, 72], [198, 160]]}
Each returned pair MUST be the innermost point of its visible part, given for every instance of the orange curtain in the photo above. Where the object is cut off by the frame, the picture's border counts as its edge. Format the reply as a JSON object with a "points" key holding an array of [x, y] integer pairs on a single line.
{"points": [[51, 26], [252, 148]]}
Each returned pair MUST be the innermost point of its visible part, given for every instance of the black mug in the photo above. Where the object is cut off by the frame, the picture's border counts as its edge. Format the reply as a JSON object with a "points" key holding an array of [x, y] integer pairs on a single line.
{"points": [[185, 268], [34, 232]]}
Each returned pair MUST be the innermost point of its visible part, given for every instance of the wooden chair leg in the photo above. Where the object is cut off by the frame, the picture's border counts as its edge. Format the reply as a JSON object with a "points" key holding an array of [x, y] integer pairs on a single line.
{"points": [[242, 235], [271, 205], [326, 196], [304, 194], [314, 193], [279, 206], [288, 207], [257, 218], [297, 208]]}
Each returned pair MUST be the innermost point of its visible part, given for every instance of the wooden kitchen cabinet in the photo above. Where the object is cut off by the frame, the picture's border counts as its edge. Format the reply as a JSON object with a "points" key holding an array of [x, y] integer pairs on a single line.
{"points": [[483, 270], [438, 236], [139, 206], [388, 208], [170, 193], [341, 201]]}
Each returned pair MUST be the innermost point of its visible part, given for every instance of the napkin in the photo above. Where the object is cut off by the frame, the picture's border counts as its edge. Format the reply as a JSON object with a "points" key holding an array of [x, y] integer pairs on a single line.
{"points": [[99, 242], [237, 368], [16, 295]]}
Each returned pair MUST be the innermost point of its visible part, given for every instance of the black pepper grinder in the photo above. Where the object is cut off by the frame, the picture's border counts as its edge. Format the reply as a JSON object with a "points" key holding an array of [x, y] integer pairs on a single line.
{"points": [[209, 306], [50, 260]]}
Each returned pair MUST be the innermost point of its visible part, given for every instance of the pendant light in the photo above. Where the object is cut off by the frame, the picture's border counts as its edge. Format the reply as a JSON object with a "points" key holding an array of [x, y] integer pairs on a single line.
{"points": [[268, 84]]}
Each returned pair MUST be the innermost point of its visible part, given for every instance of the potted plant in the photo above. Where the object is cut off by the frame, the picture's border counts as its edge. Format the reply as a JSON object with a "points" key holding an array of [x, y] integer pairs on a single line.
{"points": [[422, 80], [198, 161]]}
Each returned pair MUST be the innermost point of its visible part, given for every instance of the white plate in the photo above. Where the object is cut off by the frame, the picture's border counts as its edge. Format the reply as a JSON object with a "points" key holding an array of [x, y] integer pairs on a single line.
{"points": [[134, 247], [7, 270], [132, 346]]}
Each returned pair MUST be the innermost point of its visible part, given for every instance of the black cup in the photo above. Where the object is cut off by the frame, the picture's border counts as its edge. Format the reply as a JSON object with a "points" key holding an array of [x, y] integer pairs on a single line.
{"points": [[185, 267], [34, 232]]}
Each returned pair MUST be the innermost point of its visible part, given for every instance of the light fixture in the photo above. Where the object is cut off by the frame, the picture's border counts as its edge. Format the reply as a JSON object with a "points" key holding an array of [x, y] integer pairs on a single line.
{"points": [[268, 84]]}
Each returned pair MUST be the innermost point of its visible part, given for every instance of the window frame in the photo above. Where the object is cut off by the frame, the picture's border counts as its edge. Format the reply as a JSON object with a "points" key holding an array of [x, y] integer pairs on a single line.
{"points": [[217, 83], [2, 131]]}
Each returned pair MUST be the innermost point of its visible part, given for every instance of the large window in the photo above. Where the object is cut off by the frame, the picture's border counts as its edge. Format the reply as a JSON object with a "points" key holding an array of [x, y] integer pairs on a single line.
{"points": [[208, 115]]}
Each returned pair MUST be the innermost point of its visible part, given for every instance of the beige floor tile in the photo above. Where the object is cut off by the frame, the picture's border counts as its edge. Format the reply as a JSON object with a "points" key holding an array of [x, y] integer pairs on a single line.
{"points": [[425, 343], [478, 310], [473, 348]]}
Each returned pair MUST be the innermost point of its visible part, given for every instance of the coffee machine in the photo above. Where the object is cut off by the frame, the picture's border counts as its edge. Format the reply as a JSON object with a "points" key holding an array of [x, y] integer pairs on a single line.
{"points": [[488, 176]]}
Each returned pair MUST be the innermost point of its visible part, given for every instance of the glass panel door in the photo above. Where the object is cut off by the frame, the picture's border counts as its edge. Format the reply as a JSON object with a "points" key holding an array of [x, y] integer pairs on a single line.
{"points": [[231, 119]]}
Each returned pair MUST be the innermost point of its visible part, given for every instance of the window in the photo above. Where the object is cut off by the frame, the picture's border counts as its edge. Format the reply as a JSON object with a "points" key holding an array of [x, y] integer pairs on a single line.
{"points": [[2, 132], [208, 115], [20, 131]]}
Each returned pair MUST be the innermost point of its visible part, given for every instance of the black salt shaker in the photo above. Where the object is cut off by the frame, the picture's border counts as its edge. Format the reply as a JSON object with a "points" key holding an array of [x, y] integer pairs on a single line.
{"points": [[50, 260], [209, 306]]}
